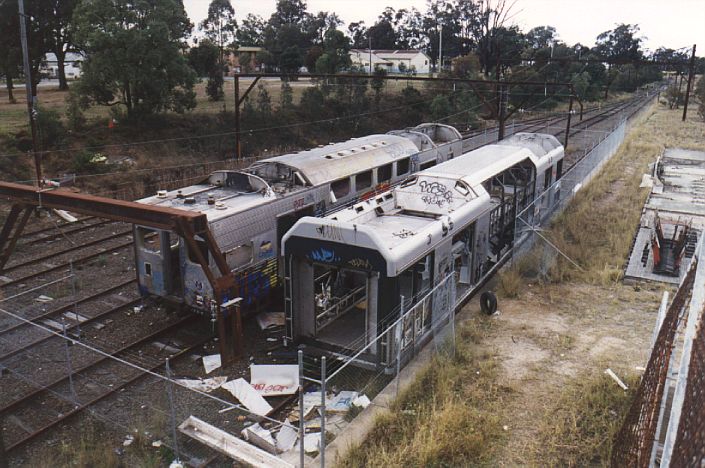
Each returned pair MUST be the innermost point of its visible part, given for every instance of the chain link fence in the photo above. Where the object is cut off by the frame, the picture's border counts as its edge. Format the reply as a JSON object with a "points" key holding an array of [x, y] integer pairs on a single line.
{"points": [[351, 380], [665, 425]]}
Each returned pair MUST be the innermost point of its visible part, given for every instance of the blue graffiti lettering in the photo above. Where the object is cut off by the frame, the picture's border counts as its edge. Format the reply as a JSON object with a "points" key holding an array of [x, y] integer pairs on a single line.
{"points": [[323, 255]]}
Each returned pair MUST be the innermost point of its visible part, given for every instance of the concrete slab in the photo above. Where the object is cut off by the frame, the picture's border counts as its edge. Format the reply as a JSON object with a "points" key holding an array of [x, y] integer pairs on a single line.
{"points": [[677, 197]]}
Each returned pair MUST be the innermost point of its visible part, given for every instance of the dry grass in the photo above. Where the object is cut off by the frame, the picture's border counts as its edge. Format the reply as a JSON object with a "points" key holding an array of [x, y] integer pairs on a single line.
{"points": [[89, 451], [448, 417], [598, 228], [583, 420], [541, 361]]}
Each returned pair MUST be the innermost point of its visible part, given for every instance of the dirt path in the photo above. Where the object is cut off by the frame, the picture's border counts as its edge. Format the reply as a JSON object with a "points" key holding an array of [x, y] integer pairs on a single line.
{"points": [[553, 334]]}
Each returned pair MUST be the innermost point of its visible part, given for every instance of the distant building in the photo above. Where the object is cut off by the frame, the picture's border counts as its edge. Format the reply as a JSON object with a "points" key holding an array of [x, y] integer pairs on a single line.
{"points": [[232, 60], [390, 60], [72, 66]]}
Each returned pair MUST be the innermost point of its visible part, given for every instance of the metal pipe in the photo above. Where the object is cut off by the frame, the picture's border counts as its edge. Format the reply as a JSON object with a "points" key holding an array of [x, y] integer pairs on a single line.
{"points": [[322, 448], [567, 127], [30, 98], [406, 78], [691, 71], [236, 80], [302, 429]]}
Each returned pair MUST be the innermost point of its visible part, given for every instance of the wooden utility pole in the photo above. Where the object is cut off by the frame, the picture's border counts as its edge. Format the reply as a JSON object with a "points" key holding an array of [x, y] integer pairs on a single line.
{"points": [[567, 127], [236, 82], [31, 111], [691, 72]]}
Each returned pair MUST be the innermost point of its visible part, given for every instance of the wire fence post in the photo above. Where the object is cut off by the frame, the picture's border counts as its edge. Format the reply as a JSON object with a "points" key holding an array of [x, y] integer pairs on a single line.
{"points": [[172, 409], [453, 294], [75, 299], [322, 448], [3, 454], [302, 429], [399, 337], [68, 362]]}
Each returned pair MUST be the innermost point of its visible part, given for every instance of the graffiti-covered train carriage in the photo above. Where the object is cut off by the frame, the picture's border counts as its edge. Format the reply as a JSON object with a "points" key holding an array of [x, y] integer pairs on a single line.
{"points": [[349, 270], [250, 210]]}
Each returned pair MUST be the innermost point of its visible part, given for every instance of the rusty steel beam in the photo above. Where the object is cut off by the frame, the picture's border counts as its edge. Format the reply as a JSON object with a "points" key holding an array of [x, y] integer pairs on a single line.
{"points": [[155, 217], [7, 242]]}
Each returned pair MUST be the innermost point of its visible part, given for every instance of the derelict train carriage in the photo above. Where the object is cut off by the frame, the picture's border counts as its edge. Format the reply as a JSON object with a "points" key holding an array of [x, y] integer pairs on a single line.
{"points": [[347, 271], [249, 211]]}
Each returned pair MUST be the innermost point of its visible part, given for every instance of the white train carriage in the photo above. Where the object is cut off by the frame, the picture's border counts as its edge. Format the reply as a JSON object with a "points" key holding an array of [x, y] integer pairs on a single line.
{"points": [[347, 271], [249, 211]]}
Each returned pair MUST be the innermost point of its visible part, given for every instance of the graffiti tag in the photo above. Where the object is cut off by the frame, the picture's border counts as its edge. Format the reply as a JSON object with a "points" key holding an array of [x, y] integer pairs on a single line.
{"points": [[323, 255], [330, 232], [438, 194], [403, 234], [265, 249], [360, 263]]}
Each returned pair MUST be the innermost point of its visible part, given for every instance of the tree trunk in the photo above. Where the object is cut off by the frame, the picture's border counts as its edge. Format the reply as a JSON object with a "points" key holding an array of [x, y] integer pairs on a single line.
{"points": [[10, 86], [60, 67]]}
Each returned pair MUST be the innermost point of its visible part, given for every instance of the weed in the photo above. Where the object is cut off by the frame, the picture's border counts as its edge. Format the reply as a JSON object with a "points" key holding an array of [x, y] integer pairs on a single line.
{"points": [[578, 428], [432, 422]]}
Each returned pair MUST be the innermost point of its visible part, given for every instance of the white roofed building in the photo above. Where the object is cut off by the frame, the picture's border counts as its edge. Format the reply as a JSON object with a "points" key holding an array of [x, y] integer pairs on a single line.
{"points": [[393, 61]]}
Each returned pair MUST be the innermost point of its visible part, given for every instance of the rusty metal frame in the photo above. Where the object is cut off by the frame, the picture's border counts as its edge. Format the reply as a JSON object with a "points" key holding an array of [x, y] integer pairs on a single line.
{"points": [[187, 224], [8, 238]]}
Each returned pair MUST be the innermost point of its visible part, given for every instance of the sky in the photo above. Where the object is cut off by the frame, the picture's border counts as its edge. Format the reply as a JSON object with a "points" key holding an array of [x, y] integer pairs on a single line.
{"points": [[669, 23]]}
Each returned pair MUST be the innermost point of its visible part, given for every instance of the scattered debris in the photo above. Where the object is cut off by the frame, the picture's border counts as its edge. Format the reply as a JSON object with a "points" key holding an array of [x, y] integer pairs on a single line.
{"points": [[287, 436], [275, 379], [44, 298], [230, 445], [157, 443], [211, 363], [260, 437], [312, 442], [362, 401], [165, 347], [53, 324], [137, 309], [342, 402], [270, 319], [65, 214], [75, 317], [616, 379], [248, 396], [128, 441], [203, 385], [312, 400], [646, 181]]}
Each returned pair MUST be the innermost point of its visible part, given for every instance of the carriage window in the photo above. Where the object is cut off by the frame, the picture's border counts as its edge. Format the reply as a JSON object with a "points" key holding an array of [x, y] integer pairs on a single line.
{"points": [[340, 188], [559, 170], [428, 165], [201, 244], [239, 256], [463, 189], [384, 173], [547, 179], [402, 167], [149, 240], [363, 180]]}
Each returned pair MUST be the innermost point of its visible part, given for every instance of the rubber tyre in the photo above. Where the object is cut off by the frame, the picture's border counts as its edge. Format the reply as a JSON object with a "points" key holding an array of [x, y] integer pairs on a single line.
{"points": [[488, 303]]}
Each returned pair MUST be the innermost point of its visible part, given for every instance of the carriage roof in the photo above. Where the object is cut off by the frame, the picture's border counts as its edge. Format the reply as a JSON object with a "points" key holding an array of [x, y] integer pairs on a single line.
{"points": [[331, 162]]}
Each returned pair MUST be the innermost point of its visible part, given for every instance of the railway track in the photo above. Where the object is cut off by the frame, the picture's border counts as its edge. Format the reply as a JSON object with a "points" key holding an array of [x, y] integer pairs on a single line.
{"points": [[90, 384], [28, 413], [25, 335], [65, 266]]}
